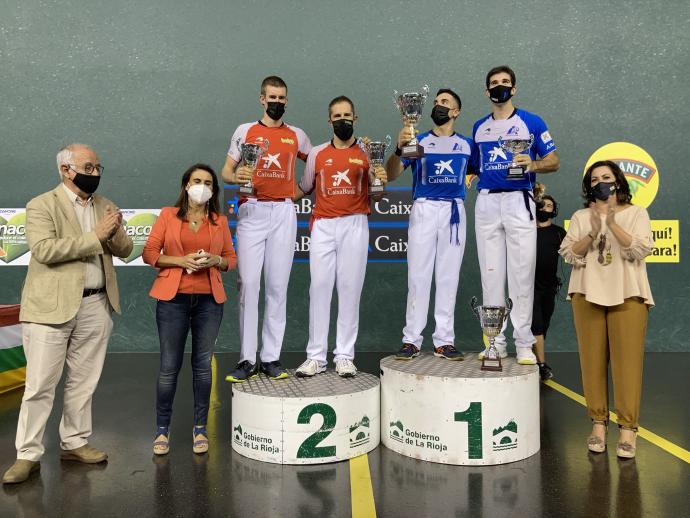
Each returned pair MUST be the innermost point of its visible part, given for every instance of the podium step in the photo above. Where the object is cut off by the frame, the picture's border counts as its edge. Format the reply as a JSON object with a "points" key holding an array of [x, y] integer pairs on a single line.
{"points": [[453, 412], [315, 420]]}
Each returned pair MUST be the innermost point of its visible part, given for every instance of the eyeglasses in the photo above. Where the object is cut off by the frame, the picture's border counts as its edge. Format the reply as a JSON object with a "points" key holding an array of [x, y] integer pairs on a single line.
{"points": [[89, 168]]}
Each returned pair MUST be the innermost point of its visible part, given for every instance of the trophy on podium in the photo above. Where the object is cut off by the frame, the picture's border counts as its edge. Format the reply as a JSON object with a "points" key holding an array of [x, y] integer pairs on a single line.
{"points": [[491, 318], [251, 154], [515, 146], [376, 152], [410, 106]]}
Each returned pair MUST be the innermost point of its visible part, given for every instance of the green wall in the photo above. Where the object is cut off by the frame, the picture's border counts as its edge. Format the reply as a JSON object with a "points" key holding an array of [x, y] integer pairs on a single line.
{"points": [[156, 86]]}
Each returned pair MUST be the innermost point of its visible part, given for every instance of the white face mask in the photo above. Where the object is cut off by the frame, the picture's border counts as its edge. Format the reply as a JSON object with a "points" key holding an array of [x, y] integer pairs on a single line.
{"points": [[199, 193]]}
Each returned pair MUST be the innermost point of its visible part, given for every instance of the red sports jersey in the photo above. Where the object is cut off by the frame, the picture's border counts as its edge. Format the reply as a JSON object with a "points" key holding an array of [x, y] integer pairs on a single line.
{"points": [[341, 180], [274, 178]]}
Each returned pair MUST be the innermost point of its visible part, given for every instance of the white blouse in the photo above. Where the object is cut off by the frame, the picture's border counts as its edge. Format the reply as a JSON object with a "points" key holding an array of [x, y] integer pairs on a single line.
{"points": [[623, 273]]}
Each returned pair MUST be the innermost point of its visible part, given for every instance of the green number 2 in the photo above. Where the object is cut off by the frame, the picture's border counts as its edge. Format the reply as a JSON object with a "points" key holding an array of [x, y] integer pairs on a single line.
{"points": [[310, 448], [473, 417]]}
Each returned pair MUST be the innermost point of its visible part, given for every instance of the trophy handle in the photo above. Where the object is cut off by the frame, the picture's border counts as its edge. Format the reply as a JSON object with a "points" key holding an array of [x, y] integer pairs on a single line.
{"points": [[509, 308], [425, 92], [388, 141], [395, 99], [473, 305], [238, 143], [362, 143]]}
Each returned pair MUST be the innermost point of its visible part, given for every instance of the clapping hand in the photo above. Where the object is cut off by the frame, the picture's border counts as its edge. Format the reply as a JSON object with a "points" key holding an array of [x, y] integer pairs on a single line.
{"points": [[611, 210], [108, 225], [594, 219]]}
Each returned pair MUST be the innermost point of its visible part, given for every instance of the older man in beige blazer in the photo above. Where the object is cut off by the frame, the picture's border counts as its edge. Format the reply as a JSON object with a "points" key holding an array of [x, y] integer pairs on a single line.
{"points": [[69, 293]]}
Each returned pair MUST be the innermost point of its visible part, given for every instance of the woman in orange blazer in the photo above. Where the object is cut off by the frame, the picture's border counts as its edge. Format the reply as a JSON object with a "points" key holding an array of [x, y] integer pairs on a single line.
{"points": [[190, 244]]}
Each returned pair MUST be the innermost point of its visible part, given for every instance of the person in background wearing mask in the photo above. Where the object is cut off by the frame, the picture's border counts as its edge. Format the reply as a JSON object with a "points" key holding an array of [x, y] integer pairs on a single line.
{"points": [[607, 243], [190, 244], [69, 294], [266, 229], [504, 211], [437, 230], [546, 281], [338, 170]]}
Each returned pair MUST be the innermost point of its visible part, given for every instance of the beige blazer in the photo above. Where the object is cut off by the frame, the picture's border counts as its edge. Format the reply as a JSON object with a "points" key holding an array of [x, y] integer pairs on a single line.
{"points": [[54, 282]]}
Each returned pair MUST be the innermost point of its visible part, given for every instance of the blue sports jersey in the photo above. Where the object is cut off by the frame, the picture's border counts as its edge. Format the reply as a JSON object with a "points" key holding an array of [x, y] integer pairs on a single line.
{"points": [[492, 162], [440, 173]]}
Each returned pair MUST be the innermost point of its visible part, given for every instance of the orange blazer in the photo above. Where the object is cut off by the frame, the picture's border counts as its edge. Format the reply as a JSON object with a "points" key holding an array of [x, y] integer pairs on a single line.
{"points": [[165, 240]]}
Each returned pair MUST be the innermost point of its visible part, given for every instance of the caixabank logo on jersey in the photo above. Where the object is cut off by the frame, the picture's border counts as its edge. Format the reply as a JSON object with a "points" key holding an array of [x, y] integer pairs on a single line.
{"points": [[388, 224], [642, 174]]}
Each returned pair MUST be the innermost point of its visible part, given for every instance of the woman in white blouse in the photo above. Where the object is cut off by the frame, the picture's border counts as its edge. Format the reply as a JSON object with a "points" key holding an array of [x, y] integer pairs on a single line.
{"points": [[607, 243]]}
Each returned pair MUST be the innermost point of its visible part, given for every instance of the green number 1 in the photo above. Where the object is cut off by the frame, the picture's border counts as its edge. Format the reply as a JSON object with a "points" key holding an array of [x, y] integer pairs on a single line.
{"points": [[473, 417], [310, 448]]}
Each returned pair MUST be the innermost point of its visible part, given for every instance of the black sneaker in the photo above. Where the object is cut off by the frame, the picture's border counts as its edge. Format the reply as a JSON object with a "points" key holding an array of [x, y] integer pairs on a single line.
{"points": [[407, 352], [273, 370], [545, 372], [449, 352], [243, 372]]}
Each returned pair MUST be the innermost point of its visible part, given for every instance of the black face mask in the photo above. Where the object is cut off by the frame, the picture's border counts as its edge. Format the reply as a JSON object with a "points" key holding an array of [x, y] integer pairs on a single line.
{"points": [[603, 190], [544, 215], [500, 93], [343, 128], [275, 110], [87, 183], [439, 114]]}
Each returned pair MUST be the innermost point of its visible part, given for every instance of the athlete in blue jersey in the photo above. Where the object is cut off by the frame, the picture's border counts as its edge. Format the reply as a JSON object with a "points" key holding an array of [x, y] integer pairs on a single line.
{"points": [[436, 236], [505, 209]]}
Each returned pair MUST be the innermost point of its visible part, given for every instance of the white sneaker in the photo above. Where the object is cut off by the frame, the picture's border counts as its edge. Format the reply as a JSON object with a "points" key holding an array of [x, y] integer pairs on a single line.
{"points": [[525, 356], [345, 368], [502, 352], [309, 368]]}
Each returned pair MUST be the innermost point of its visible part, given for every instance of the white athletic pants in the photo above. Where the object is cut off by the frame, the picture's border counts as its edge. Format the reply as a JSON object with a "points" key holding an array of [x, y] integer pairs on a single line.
{"points": [[266, 233], [507, 241], [433, 252], [337, 255]]}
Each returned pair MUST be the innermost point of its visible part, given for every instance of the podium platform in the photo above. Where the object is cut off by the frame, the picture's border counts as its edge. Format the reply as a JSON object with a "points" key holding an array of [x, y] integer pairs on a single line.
{"points": [[452, 412], [315, 420]]}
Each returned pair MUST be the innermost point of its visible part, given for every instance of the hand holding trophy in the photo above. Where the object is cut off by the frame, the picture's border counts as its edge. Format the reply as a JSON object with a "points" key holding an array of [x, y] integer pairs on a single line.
{"points": [[410, 106], [251, 154], [376, 152], [515, 147], [491, 319]]}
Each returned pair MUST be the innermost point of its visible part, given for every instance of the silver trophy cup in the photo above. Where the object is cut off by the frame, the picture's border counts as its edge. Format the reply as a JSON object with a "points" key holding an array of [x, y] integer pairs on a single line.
{"points": [[376, 151], [410, 106], [251, 154], [515, 147], [491, 318]]}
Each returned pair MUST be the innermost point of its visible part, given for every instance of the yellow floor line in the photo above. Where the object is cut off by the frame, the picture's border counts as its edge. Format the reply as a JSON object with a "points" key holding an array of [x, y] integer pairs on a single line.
{"points": [[655, 439], [361, 491]]}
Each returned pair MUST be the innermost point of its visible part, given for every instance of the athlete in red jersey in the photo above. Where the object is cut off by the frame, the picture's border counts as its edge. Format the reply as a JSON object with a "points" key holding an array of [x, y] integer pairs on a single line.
{"points": [[266, 229], [339, 172]]}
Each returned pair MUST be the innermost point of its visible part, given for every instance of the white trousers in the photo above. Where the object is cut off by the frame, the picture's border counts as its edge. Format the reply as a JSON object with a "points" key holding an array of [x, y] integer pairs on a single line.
{"points": [[337, 255], [433, 252], [507, 243], [266, 233], [80, 344]]}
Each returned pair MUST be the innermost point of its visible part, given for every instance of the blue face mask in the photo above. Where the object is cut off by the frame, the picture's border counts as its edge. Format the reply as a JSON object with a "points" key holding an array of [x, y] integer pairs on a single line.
{"points": [[603, 190]]}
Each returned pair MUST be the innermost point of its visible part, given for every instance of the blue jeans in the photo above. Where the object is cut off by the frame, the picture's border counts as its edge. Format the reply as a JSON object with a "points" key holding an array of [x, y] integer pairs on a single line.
{"points": [[174, 318]]}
